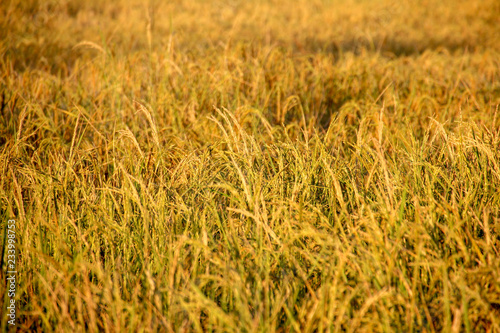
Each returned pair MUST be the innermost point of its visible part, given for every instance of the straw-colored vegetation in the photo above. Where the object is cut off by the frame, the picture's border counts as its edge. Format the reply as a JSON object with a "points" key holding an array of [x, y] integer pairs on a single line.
{"points": [[254, 166]]}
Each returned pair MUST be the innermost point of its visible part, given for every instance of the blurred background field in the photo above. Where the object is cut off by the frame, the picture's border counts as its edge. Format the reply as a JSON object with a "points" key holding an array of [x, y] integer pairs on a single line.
{"points": [[260, 166]]}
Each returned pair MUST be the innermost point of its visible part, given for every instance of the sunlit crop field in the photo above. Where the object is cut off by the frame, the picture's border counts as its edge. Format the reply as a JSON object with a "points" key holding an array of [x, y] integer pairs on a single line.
{"points": [[251, 166]]}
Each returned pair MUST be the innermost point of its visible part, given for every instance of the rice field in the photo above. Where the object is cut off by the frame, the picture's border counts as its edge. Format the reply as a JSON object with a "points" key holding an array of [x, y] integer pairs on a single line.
{"points": [[250, 166]]}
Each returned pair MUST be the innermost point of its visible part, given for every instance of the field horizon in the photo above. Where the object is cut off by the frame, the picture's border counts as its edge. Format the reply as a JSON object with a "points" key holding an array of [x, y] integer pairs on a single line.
{"points": [[250, 166]]}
